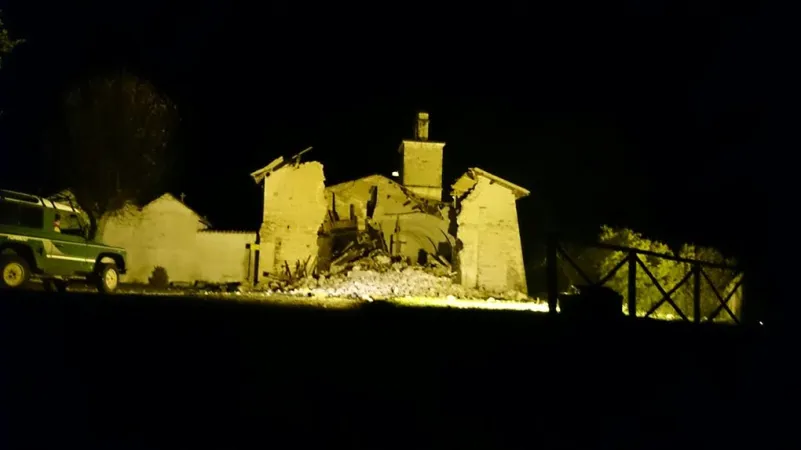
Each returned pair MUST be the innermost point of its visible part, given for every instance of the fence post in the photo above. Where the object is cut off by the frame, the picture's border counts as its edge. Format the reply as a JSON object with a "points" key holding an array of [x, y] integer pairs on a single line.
{"points": [[697, 293], [632, 300], [745, 312], [551, 272]]}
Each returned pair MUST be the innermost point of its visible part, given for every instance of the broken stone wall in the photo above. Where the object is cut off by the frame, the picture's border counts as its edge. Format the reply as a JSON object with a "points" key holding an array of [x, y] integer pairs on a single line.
{"points": [[294, 209], [409, 232], [419, 236], [491, 253]]}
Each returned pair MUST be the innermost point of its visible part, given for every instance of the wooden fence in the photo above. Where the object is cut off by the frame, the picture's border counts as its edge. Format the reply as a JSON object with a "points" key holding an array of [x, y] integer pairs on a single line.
{"points": [[633, 259]]}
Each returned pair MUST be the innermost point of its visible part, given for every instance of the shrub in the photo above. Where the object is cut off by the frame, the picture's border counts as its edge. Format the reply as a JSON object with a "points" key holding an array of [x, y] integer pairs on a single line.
{"points": [[159, 279]]}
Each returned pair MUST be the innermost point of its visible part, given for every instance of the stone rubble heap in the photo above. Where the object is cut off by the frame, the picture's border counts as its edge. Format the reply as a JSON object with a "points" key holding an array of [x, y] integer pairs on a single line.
{"points": [[377, 278]]}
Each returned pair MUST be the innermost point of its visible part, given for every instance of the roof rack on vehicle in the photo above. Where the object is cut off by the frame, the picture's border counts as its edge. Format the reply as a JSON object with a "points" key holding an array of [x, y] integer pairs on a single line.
{"points": [[19, 196], [62, 197]]}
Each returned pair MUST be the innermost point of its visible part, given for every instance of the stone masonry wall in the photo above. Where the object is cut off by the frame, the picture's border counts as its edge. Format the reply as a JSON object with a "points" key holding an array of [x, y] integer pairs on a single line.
{"points": [[491, 254], [225, 256], [165, 233], [294, 209], [422, 168]]}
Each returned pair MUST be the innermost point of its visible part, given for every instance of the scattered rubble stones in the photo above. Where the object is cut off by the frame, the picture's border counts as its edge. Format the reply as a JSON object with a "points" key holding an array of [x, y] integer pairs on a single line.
{"points": [[376, 277]]}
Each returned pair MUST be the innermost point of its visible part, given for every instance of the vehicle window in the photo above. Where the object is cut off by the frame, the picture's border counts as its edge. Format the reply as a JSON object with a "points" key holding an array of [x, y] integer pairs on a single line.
{"points": [[9, 213], [31, 217], [70, 224], [21, 215]]}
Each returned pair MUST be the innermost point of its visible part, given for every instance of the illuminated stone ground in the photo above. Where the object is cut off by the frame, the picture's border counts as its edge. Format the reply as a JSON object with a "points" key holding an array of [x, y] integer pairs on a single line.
{"points": [[330, 302], [327, 302], [324, 302]]}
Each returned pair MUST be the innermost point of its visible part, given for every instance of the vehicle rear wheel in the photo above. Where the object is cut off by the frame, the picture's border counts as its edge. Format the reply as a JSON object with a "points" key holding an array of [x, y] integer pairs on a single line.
{"points": [[107, 278], [54, 285], [14, 271]]}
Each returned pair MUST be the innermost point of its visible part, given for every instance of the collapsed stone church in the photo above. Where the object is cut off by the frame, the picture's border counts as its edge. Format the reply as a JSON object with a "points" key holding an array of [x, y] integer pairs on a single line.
{"points": [[308, 226]]}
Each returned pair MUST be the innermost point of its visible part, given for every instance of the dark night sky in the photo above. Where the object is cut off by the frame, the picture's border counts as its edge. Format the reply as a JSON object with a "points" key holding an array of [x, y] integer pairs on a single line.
{"points": [[614, 114]]}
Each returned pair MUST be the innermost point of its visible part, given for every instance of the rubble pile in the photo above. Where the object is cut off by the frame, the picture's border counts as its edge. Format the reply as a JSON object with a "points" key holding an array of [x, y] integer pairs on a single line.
{"points": [[378, 277], [370, 285]]}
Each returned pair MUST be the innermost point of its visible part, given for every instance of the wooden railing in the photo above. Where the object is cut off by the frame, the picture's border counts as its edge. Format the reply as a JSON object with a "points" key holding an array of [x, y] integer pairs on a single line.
{"points": [[698, 273]]}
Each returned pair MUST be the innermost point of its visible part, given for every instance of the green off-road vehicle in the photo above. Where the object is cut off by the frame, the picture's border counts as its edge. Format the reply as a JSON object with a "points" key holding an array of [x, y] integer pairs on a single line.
{"points": [[49, 240]]}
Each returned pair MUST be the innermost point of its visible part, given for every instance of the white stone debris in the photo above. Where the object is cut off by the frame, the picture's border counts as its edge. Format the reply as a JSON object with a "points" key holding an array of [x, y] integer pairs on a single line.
{"points": [[375, 278]]}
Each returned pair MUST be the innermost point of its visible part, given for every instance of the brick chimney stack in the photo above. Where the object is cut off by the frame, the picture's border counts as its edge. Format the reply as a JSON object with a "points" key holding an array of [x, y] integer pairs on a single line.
{"points": [[421, 130]]}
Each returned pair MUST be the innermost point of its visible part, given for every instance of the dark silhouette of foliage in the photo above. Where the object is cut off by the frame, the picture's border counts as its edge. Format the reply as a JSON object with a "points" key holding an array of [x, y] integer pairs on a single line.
{"points": [[114, 146], [7, 43]]}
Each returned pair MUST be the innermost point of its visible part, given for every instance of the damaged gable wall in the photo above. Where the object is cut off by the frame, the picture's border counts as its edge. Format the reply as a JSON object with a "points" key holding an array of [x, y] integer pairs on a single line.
{"points": [[411, 225], [294, 209], [491, 255]]}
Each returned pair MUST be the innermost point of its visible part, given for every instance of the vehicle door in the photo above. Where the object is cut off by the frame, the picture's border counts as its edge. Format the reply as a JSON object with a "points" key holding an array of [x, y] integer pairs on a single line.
{"points": [[69, 253]]}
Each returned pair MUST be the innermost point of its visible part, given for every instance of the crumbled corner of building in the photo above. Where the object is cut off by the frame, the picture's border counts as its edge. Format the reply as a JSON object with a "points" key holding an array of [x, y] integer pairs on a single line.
{"points": [[294, 208]]}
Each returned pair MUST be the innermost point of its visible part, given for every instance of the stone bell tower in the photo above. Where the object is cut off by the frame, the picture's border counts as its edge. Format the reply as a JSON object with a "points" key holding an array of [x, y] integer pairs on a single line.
{"points": [[421, 169]]}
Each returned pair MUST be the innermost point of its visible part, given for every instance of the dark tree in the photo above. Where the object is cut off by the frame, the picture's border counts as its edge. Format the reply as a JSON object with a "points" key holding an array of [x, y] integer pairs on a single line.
{"points": [[114, 148], [7, 43]]}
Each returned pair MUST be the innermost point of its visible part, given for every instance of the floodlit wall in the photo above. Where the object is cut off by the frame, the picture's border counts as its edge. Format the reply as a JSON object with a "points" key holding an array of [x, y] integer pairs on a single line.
{"points": [[294, 209], [224, 256], [166, 233], [491, 253], [422, 168]]}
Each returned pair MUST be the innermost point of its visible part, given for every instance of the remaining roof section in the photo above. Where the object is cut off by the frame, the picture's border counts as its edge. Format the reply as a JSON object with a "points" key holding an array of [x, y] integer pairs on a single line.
{"points": [[259, 175], [369, 179], [389, 191], [376, 179], [468, 180]]}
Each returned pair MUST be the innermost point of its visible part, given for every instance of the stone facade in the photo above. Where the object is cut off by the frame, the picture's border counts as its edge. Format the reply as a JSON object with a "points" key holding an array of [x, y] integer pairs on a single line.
{"points": [[421, 170], [306, 222], [490, 252], [166, 233], [294, 209], [225, 256]]}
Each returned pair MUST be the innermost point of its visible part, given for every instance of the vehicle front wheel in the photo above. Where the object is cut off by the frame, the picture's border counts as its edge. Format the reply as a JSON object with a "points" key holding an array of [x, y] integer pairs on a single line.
{"points": [[107, 278], [14, 271]]}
